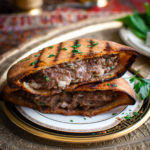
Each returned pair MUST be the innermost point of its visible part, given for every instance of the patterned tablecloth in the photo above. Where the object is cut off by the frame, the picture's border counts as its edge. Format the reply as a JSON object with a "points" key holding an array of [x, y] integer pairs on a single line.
{"points": [[16, 29]]}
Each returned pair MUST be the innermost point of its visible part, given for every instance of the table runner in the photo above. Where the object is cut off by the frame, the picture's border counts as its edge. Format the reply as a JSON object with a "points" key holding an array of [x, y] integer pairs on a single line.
{"points": [[16, 29]]}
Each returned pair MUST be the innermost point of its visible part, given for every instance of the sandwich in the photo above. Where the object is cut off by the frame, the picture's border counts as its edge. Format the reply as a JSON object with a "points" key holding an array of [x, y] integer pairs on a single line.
{"points": [[72, 78]]}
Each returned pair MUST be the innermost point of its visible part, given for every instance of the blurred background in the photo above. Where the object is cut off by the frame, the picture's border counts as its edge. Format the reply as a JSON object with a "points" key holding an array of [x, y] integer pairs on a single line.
{"points": [[22, 20]]}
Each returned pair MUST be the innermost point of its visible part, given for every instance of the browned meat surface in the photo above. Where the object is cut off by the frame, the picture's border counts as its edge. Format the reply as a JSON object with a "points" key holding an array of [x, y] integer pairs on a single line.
{"points": [[62, 75], [82, 101]]}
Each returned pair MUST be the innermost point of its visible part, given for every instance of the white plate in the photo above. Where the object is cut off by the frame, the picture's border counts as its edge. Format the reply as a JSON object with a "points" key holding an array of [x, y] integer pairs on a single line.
{"points": [[80, 124], [130, 39]]}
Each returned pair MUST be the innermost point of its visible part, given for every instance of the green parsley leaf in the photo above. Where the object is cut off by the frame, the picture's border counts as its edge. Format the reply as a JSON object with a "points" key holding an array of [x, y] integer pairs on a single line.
{"points": [[135, 113], [111, 67], [37, 55], [64, 48], [108, 84], [94, 44], [89, 45], [47, 78], [77, 45], [33, 63], [141, 86], [76, 51], [128, 117], [71, 120], [132, 80], [52, 55], [51, 46], [84, 118]]}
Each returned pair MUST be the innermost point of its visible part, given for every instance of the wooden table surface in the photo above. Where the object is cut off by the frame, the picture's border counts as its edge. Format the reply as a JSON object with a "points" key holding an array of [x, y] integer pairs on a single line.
{"points": [[14, 138]]}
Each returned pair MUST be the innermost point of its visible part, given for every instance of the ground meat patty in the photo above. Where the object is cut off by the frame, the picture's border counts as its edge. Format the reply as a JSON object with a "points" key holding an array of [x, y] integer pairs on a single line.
{"points": [[67, 101], [62, 75]]}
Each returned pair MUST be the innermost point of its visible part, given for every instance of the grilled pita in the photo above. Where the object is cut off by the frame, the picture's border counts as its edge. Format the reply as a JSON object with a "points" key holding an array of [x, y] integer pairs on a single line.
{"points": [[69, 64], [86, 100]]}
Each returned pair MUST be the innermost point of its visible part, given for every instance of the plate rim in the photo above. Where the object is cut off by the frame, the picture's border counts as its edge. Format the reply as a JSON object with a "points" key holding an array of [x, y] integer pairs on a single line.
{"points": [[126, 41], [80, 131]]}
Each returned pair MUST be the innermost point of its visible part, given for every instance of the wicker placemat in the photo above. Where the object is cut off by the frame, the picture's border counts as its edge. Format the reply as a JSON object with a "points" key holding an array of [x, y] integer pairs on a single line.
{"points": [[12, 137]]}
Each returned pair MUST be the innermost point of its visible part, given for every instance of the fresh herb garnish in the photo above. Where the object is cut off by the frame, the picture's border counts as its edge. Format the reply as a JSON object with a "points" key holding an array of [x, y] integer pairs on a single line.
{"points": [[25, 59], [84, 118], [71, 120], [52, 55], [33, 63], [93, 44], [76, 51], [138, 23], [64, 48], [135, 113], [89, 45], [128, 117], [51, 46], [111, 67], [77, 45], [108, 84], [37, 55], [42, 103], [141, 86], [46, 78], [115, 85]]}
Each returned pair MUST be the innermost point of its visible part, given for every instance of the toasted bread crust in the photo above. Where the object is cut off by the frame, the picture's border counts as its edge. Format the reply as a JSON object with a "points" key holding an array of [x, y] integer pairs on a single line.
{"points": [[122, 100], [33, 63], [119, 85]]}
